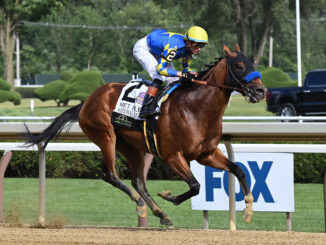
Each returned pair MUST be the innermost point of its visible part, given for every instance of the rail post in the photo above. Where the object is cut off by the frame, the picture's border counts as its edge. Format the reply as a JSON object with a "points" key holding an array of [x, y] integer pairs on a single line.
{"points": [[3, 166], [42, 176], [205, 216], [325, 200], [232, 216], [288, 221]]}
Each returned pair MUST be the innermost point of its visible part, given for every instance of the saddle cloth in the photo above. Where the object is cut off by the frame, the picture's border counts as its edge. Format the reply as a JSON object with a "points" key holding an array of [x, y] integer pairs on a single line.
{"points": [[126, 112]]}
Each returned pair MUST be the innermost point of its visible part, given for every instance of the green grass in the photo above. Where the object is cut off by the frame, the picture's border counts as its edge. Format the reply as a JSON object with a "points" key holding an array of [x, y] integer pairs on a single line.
{"points": [[47, 108], [94, 202], [237, 107]]}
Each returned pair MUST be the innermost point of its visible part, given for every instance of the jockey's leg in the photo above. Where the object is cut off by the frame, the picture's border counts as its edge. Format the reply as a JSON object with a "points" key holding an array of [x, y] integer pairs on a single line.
{"points": [[148, 108]]}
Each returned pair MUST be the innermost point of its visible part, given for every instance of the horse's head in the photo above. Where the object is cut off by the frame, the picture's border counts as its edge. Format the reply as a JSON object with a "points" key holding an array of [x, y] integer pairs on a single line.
{"points": [[242, 75]]}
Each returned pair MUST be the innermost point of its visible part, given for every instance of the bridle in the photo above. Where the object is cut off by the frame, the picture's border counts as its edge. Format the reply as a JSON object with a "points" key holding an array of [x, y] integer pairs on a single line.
{"points": [[233, 82]]}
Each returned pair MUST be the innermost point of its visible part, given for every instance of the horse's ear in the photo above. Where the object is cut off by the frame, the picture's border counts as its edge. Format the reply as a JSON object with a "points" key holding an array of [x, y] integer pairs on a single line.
{"points": [[227, 50], [237, 48]]}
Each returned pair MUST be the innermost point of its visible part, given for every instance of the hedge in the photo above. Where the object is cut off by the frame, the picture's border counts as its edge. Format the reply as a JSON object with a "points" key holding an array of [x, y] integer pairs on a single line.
{"points": [[308, 167], [7, 95], [82, 85], [274, 77], [11, 96], [4, 85], [51, 91]]}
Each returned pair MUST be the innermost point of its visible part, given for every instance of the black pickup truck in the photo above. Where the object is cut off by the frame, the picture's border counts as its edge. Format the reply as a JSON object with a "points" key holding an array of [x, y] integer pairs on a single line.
{"points": [[294, 101]]}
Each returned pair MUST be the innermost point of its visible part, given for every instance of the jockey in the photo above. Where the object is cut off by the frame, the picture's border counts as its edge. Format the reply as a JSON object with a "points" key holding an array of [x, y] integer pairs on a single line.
{"points": [[155, 53]]}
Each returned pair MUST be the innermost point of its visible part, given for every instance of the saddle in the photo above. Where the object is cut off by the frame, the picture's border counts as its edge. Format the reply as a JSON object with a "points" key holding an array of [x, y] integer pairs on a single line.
{"points": [[128, 107]]}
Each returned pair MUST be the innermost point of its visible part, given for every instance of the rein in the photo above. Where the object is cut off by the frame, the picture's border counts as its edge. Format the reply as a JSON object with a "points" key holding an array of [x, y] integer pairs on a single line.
{"points": [[206, 83]]}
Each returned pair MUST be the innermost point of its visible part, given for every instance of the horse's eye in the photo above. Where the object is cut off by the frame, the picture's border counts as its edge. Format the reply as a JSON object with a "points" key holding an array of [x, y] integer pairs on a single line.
{"points": [[240, 67]]}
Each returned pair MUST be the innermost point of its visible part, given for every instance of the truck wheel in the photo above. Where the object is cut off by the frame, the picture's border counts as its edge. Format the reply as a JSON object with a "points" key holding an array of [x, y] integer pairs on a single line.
{"points": [[287, 110]]}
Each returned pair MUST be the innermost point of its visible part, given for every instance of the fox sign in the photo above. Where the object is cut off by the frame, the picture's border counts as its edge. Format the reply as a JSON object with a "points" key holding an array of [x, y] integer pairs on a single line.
{"points": [[269, 175]]}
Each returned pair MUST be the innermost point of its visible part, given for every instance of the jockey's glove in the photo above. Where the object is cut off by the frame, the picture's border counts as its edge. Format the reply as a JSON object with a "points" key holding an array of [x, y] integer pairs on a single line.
{"points": [[188, 76]]}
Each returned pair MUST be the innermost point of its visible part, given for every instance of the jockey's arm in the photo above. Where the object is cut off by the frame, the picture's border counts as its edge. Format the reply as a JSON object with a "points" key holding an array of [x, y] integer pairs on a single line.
{"points": [[163, 71]]}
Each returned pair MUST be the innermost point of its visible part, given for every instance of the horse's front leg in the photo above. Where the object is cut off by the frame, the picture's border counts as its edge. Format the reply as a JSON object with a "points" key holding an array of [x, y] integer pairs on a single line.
{"points": [[218, 160], [181, 167]]}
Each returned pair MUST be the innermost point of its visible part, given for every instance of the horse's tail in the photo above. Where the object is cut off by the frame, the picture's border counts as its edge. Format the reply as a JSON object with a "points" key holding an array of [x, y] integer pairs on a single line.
{"points": [[69, 116]]}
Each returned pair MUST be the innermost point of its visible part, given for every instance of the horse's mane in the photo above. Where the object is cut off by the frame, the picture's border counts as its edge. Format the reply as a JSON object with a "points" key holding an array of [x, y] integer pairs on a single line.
{"points": [[208, 67]]}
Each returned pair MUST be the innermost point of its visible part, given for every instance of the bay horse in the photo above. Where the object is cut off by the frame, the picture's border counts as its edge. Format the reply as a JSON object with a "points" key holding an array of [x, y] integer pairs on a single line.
{"points": [[189, 128]]}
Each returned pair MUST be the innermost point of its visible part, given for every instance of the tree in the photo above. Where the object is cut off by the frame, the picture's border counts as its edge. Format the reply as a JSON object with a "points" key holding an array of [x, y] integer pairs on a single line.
{"points": [[51, 91], [117, 25], [250, 21], [11, 13]]}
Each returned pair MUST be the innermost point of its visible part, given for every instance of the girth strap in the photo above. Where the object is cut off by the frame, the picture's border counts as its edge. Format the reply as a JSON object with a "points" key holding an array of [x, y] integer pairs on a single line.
{"points": [[150, 138]]}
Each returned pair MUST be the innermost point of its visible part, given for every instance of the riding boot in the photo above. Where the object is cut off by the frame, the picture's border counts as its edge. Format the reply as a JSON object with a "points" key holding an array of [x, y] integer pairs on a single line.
{"points": [[148, 108]]}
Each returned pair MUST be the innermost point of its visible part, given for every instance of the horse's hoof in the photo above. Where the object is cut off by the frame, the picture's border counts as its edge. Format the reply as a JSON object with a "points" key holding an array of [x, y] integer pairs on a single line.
{"points": [[248, 211], [165, 194], [247, 215], [166, 221]]}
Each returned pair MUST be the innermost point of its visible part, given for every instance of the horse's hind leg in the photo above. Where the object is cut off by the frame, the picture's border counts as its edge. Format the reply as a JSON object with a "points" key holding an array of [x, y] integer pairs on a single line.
{"points": [[219, 161], [110, 175], [136, 164]]}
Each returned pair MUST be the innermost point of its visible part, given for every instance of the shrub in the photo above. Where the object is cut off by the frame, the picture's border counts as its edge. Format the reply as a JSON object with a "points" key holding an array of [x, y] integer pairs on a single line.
{"points": [[274, 77], [51, 91], [67, 75], [58, 165], [79, 96], [11, 96], [7, 95], [82, 85], [4, 85], [308, 167]]}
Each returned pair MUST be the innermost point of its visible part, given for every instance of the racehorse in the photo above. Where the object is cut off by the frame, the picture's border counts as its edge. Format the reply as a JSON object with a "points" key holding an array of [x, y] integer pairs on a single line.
{"points": [[189, 128]]}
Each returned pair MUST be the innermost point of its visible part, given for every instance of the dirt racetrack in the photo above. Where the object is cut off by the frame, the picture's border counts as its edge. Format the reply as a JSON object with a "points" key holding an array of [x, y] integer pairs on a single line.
{"points": [[135, 236]]}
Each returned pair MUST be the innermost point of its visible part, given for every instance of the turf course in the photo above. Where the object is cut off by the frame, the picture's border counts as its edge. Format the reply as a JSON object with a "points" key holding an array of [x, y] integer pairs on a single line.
{"points": [[94, 202]]}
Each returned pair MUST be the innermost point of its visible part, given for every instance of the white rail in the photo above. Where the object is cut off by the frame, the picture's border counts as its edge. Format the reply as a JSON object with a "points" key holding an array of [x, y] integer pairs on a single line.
{"points": [[24, 118], [238, 148], [274, 118]]}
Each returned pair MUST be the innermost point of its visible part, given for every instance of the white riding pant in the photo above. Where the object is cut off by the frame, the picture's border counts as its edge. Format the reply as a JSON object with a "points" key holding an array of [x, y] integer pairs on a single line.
{"points": [[149, 61]]}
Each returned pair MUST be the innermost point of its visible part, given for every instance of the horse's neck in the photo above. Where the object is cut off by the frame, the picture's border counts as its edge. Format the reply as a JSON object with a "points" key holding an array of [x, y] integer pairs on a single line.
{"points": [[204, 104], [218, 98], [218, 75]]}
